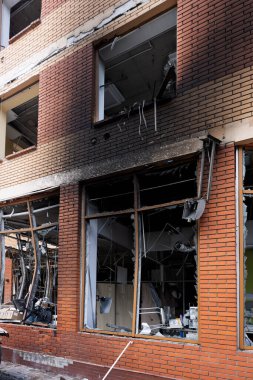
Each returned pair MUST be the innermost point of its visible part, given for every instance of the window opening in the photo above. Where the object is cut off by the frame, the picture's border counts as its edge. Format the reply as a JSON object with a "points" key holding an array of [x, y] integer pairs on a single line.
{"points": [[19, 121], [110, 273], [168, 273], [114, 195], [169, 184], [248, 270], [138, 67], [22, 126], [248, 169], [16, 16], [29, 262], [246, 246], [148, 252]]}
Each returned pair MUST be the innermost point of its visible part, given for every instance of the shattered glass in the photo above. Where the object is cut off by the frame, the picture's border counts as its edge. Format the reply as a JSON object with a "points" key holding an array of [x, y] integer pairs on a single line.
{"points": [[248, 269], [30, 291]]}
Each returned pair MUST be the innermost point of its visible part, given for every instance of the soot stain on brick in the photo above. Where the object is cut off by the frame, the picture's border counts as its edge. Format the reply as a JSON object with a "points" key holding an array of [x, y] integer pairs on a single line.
{"points": [[66, 42]]}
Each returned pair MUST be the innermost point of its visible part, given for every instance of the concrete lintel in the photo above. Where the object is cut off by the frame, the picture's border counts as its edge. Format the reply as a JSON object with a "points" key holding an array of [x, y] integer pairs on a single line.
{"points": [[239, 132], [110, 166]]}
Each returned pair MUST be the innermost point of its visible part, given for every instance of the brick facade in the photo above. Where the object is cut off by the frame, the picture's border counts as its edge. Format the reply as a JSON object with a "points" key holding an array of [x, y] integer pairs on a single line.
{"points": [[215, 86]]}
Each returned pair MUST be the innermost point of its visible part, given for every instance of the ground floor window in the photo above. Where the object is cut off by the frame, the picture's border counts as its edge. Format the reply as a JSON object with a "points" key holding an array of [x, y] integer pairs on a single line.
{"points": [[246, 245], [29, 261], [141, 254]]}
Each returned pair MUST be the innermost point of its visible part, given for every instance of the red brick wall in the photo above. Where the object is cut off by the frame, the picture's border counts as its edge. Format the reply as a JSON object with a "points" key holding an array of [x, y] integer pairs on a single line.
{"points": [[214, 89], [215, 357], [214, 39], [50, 5], [65, 98], [69, 261]]}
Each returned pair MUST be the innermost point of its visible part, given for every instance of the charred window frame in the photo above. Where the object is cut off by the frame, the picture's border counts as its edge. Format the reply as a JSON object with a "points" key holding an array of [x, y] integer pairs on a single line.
{"points": [[19, 121], [137, 69], [16, 16], [245, 197], [139, 255], [29, 261]]}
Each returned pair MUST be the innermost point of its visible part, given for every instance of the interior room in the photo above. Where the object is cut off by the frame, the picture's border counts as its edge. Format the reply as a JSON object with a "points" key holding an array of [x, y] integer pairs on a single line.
{"points": [[138, 67], [22, 126], [29, 249]]}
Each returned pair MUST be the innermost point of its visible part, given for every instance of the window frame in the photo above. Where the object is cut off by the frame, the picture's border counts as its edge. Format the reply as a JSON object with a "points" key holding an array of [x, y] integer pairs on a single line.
{"points": [[99, 112], [136, 211], [32, 229], [5, 23], [10, 102]]}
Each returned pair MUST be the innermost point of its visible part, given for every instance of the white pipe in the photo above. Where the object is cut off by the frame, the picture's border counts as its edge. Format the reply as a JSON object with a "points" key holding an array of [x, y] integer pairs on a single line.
{"points": [[116, 361]]}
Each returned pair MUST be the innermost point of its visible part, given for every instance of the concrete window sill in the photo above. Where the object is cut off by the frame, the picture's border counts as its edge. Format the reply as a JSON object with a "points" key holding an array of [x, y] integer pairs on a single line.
{"points": [[24, 31], [18, 154]]}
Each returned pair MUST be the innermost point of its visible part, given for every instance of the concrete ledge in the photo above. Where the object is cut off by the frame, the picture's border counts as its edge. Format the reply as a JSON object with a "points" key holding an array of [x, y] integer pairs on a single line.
{"points": [[136, 160]]}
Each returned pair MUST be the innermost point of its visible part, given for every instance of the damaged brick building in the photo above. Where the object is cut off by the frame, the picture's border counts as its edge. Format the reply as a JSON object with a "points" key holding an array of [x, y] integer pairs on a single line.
{"points": [[126, 187]]}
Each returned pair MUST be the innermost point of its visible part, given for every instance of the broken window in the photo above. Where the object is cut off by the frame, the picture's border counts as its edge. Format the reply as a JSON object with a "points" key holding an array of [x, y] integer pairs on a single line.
{"points": [[110, 273], [19, 121], [137, 68], [16, 16], [168, 274], [246, 245], [29, 262], [141, 255]]}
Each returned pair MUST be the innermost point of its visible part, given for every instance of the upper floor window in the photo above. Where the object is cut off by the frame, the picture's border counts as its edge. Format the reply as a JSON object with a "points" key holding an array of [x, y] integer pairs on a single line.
{"points": [[138, 67], [16, 16], [19, 121]]}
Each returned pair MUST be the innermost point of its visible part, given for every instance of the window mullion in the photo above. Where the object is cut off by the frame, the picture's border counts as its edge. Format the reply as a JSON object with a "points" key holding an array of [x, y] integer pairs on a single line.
{"points": [[136, 272], [37, 261]]}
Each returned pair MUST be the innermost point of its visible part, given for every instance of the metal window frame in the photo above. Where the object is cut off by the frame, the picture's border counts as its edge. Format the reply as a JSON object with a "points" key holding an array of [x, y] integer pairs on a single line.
{"points": [[32, 229], [136, 210]]}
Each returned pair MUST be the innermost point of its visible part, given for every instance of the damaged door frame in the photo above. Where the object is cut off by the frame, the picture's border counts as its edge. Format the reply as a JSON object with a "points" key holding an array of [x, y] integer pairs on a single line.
{"points": [[136, 211]]}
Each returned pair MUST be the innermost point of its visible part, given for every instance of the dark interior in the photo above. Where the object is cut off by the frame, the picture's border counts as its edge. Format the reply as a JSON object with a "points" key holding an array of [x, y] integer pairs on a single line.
{"points": [[23, 14]]}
